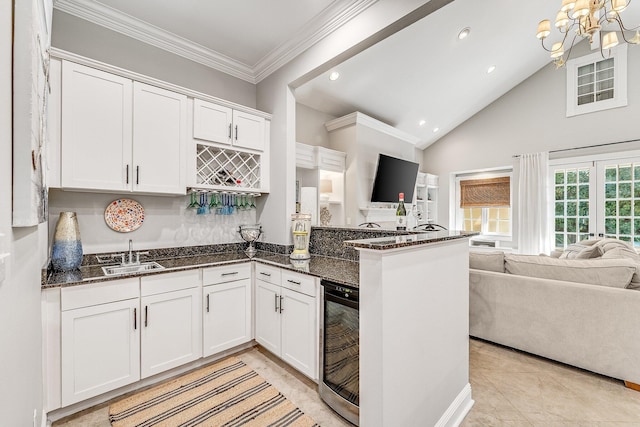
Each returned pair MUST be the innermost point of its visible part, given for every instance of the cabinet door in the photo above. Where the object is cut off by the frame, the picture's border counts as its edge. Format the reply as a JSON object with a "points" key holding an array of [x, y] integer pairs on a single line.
{"points": [[227, 316], [171, 330], [100, 349], [268, 316], [96, 129], [300, 332], [248, 130], [159, 137], [212, 122]]}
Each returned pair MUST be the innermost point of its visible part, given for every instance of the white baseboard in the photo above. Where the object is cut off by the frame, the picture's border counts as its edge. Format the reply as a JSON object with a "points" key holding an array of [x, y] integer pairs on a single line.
{"points": [[458, 409]]}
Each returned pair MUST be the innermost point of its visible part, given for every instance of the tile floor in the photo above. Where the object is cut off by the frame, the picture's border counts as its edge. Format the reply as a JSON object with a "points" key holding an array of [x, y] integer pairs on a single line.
{"points": [[510, 388]]}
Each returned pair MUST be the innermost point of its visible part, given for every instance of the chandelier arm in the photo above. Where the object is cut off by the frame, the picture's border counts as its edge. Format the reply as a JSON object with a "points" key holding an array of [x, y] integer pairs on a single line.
{"points": [[573, 42], [544, 47]]}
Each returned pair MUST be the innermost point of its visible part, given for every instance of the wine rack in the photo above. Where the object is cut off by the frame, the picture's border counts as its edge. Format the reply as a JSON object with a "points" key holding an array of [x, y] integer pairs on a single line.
{"points": [[225, 169]]}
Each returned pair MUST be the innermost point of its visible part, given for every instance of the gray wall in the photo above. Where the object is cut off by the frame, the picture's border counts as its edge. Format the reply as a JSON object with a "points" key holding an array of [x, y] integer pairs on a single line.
{"points": [[20, 327], [531, 118], [310, 128], [93, 41]]}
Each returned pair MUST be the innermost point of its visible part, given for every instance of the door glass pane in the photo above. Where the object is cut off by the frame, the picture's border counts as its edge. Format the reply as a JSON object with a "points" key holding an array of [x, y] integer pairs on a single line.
{"points": [[622, 202], [571, 205]]}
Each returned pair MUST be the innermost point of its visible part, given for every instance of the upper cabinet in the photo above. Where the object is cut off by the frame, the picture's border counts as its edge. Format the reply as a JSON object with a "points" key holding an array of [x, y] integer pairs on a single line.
{"points": [[217, 123], [96, 129], [120, 135]]}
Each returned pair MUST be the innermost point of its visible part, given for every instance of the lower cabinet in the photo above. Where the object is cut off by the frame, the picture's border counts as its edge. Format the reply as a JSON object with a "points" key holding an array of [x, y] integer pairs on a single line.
{"points": [[286, 317], [227, 307], [170, 321], [100, 341]]}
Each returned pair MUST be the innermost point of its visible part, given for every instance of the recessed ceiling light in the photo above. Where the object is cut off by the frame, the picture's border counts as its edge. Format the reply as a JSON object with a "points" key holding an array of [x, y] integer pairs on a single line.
{"points": [[422, 122], [491, 69], [464, 33], [334, 75], [435, 130]]}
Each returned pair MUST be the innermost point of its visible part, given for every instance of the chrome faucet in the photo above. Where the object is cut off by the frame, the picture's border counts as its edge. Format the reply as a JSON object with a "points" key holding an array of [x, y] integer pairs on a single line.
{"points": [[130, 251]]}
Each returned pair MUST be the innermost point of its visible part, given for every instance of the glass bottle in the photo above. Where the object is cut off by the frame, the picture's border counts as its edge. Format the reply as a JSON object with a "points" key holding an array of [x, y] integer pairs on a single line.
{"points": [[401, 214]]}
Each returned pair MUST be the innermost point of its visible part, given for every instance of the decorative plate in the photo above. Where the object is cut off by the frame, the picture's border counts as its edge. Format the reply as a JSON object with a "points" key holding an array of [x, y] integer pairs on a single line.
{"points": [[124, 215]]}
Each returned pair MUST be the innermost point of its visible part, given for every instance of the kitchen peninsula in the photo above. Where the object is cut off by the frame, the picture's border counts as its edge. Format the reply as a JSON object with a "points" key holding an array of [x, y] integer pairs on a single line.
{"points": [[414, 329]]}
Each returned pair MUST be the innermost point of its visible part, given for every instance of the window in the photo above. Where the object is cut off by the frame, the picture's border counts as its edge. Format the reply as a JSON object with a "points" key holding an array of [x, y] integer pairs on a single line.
{"points": [[483, 204], [599, 198], [595, 83]]}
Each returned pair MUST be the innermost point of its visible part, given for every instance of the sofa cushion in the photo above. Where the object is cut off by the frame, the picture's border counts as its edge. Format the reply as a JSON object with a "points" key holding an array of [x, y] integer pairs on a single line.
{"points": [[489, 261], [609, 244], [580, 251], [606, 272], [623, 252]]}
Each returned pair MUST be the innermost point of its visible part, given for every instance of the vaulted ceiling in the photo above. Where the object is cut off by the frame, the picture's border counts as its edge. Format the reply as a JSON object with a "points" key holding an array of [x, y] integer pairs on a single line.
{"points": [[422, 80]]}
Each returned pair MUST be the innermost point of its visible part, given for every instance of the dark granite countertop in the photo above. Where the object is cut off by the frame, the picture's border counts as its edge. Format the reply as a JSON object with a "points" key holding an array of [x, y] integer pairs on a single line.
{"points": [[394, 242], [334, 269]]}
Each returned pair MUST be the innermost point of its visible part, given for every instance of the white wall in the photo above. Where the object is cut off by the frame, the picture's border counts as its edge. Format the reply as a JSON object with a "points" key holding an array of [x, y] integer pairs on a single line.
{"points": [[531, 118], [20, 330], [310, 128], [93, 41], [274, 94], [167, 223]]}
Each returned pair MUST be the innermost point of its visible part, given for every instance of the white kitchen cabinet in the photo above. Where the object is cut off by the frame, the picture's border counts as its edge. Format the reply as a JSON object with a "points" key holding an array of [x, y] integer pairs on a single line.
{"points": [[216, 123], [120, 135], [96, 129], [170, 321], [227, 313], [100, 339], [286, 318], [159, 140]]}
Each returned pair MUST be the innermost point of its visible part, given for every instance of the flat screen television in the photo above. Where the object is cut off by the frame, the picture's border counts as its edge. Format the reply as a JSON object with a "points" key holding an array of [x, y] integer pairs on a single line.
{"points": [[394, 176]]}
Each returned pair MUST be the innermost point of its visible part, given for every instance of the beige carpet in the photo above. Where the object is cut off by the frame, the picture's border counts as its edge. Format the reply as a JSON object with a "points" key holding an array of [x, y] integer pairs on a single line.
{"points": [[227, 393]]}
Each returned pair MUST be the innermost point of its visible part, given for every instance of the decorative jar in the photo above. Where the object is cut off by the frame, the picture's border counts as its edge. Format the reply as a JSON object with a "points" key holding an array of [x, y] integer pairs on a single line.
{"points": [[66, 250]]}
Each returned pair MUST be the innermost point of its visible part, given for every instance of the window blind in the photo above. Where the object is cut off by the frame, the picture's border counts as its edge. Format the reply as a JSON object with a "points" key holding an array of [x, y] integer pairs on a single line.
{"points": [[490, 192]]}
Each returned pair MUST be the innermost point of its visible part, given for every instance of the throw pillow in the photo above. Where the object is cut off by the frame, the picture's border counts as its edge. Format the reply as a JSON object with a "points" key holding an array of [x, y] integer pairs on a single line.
{"points": [[579, 251]]}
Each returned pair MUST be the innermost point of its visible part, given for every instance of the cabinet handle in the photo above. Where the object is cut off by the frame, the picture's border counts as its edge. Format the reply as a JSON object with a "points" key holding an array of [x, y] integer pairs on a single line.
{"points": [[135, 319], [146, 316], [229, 274], [207, 303], [236, 132], [281, 304], [127, 174], [276, 301], [230, 127], [294, 282], [137, 175], [265, 274]]}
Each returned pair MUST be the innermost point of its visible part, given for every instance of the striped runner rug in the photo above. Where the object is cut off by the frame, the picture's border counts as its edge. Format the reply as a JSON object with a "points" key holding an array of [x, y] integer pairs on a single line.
{"points": [[227, 393]]}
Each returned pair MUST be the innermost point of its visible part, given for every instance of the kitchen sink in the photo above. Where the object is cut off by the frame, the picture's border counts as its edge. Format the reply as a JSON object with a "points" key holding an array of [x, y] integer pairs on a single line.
{"points": [[115, 270]]}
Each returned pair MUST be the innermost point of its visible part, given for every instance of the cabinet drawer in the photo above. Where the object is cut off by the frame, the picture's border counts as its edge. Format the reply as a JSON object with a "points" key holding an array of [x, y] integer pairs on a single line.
{"points": [[299, 282], [228, 273], [99, 293], [268, 274], [160, 283], [331, 160]]}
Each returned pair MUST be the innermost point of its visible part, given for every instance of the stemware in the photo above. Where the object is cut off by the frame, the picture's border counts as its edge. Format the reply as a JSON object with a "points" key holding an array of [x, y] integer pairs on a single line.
{"points": [[193, 204]]}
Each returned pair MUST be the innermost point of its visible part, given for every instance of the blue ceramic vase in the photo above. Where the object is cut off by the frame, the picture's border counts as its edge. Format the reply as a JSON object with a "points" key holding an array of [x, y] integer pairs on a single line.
{"points": [[66, 251]]}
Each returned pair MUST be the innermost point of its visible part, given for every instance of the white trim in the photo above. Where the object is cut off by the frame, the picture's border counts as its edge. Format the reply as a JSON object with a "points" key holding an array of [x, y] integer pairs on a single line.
{"points": [[362, 119], [459, 408], [619, 53], [332, 18], [72, 57], [594, 157]]}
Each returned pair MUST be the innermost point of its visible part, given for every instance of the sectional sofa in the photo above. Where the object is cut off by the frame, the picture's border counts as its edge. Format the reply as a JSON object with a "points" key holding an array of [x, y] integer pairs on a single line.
{"points": [[580, 306]]}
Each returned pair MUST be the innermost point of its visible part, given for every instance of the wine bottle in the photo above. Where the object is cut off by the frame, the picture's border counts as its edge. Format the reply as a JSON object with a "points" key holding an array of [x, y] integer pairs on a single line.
{"points": [[401, 214]]}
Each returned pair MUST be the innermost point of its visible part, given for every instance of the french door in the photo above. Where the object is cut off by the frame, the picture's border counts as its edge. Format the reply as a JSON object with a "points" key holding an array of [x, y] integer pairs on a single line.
{"points": [[596, 199]]}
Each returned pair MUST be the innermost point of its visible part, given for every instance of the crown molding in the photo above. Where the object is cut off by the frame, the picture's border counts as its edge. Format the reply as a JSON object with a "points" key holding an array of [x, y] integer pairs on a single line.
{"points": [[122, 23], [332, 18], [362, 119]]}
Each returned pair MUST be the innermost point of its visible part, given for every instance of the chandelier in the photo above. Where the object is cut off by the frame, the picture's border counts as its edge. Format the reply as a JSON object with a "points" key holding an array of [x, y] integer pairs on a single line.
{"points": [[586, 18]]}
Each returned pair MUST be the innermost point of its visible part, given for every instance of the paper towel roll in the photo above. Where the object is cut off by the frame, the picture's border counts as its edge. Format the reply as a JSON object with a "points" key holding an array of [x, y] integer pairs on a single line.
{"points": [[309, 203]]}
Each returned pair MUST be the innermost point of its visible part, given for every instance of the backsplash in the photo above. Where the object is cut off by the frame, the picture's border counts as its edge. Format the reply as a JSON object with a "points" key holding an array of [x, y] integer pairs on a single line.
{"points": [[167, 222], [328, 241]]}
